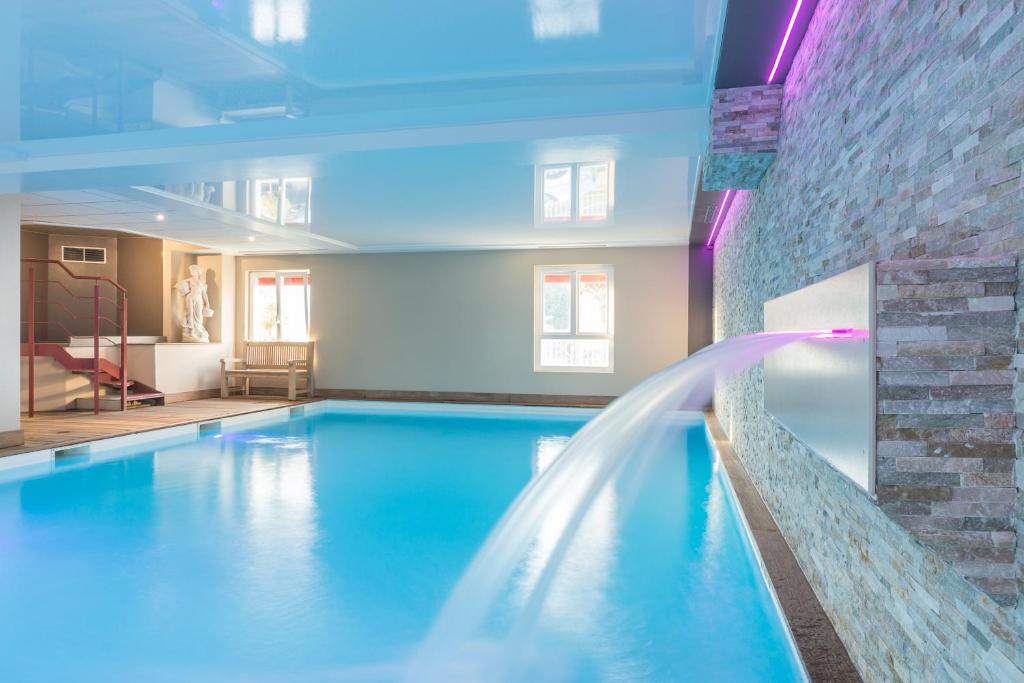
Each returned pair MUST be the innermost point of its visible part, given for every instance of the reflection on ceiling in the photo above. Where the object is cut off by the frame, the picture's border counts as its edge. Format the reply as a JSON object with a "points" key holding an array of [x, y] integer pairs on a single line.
{"points": [[419, 122], [565, 18]]}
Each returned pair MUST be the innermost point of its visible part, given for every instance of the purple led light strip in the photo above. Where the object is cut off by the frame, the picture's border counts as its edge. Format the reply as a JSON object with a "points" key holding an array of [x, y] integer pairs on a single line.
{"points": [[723, 208], [719, 217], [785, 40]]}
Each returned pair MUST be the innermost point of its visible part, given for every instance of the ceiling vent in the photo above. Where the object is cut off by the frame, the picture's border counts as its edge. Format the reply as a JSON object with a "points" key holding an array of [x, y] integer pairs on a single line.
{"points": [[83, 254]]}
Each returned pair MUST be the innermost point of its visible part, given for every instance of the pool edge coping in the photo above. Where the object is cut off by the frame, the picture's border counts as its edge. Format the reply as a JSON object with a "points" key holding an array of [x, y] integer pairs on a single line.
{"points": [[822, 654], [44, 461]]}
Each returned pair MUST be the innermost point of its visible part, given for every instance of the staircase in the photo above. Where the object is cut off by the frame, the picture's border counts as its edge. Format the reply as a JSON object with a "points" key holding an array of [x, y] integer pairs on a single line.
{"points": [[137, 394], [113, 388]]}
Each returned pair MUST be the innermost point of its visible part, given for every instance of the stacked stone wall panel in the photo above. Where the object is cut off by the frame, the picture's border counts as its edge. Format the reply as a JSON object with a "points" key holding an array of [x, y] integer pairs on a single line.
{"points": [[902, 138]]}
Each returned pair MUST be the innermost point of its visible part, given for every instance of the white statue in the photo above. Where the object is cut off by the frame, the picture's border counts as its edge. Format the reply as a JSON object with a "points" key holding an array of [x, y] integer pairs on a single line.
{"points": [[197, 307]]}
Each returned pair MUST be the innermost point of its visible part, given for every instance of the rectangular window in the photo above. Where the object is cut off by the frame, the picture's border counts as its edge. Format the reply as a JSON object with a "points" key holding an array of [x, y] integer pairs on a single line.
{"points": [[573, 319], [278, 306], [575, 194], [284, 201]]}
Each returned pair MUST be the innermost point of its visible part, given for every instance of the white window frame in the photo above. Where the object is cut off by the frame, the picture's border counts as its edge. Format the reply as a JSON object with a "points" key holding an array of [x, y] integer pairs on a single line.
{"points": [[279, 276], [574, 215], [253, 197], [574, 271]]}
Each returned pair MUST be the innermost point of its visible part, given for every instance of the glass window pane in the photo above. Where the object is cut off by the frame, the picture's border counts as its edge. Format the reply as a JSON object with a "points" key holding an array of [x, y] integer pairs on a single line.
{"points": [[267, 197], [294, 308], [558, 193], [593, 200], [557, 295], [593, 303], [263, 307], [296, 200], [575, 353]]}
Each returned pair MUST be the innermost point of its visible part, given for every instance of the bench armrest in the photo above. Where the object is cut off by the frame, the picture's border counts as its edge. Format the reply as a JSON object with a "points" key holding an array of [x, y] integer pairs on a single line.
{"points": [[298, 364], [227, 362]]}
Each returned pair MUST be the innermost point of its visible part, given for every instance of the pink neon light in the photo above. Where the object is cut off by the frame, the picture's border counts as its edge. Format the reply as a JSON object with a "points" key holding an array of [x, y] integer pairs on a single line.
{"points": [[785, 40], [724, 207], [716, 226], [843, 333]]}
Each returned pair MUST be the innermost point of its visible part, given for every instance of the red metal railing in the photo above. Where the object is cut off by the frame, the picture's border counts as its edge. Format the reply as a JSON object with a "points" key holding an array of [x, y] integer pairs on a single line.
{"points": [[119, 300]]}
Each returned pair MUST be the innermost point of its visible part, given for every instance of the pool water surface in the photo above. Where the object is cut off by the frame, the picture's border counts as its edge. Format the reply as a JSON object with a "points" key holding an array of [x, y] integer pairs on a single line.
{"points": [[321, 547]]}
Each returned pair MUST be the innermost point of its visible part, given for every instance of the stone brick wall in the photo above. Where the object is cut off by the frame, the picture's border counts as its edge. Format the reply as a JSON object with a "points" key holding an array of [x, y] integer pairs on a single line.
{"points": [[744, 136], [746, 119], [902, 137], [946, 420]]}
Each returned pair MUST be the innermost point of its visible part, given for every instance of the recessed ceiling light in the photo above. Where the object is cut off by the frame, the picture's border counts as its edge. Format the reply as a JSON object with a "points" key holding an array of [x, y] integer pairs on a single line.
{"points": [[160, 218], [252, 238]]}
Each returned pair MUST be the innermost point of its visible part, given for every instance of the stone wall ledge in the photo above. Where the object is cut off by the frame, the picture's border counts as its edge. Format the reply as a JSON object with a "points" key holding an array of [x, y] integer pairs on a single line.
{"points": [[997, 261]]}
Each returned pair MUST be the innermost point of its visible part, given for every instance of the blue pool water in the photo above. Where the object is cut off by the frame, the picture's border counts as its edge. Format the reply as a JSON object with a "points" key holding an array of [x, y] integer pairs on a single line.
{"points": [[322, 547]]}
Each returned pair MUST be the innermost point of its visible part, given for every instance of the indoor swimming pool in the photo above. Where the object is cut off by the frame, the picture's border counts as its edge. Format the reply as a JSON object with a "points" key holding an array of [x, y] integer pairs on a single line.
{"points": [[322, 547]]}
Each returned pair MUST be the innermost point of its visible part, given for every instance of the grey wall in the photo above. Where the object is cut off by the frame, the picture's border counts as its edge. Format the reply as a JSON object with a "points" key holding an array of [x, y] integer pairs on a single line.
{"points": [[700, 298], [463, 321], [902, 138]]}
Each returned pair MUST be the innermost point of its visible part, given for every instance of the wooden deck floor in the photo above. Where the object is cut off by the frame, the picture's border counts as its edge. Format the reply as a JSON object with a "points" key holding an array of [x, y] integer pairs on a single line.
{"points": [[55, 430]]}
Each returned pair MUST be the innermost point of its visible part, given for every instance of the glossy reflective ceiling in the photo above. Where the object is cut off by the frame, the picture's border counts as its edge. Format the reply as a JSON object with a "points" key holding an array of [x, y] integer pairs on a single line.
{"points": [[123, 93]]}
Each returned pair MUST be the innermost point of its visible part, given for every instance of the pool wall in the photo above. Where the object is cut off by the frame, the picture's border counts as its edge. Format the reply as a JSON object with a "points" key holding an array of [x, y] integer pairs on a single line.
{"points": [[901, 142]]}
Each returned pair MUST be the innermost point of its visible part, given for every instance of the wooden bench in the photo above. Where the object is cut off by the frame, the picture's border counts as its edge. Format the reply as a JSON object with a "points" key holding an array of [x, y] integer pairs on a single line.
{"points": [[283, 360]]}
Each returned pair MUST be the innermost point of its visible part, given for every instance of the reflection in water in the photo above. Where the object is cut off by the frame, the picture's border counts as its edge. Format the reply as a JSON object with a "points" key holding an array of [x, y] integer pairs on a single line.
{"points": [[279, 21], [714, 536], [263, 491], [578, 596], [554, 19], [280, 516]]}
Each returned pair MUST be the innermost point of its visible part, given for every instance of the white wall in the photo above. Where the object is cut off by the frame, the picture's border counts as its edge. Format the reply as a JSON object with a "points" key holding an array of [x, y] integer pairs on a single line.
{"points": [[184, 368], [463, 321], [56, 387]]}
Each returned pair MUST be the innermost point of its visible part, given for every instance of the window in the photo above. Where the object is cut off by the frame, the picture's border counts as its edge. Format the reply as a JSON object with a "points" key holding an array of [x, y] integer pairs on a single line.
{"points": [[278, 306], [573, 319], [575, 194], [284, 201]]}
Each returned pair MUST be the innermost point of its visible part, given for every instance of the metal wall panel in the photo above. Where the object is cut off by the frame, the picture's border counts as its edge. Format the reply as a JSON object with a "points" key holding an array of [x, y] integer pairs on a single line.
{"points": [[823, 391]]}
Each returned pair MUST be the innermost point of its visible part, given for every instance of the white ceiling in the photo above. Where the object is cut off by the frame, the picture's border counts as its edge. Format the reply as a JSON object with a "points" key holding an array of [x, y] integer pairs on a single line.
{"points": [[137, 211]]}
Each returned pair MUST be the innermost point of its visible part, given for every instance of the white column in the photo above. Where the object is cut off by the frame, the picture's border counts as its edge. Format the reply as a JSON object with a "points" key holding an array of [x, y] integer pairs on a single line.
{"points": [[10, 322], [10, 231]]}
